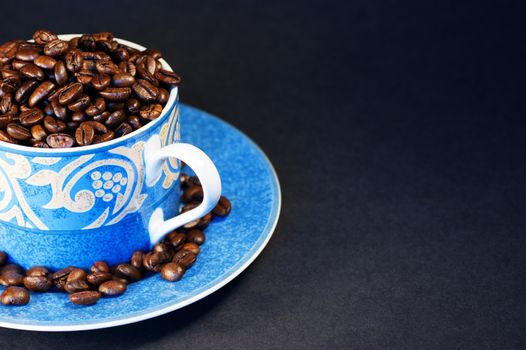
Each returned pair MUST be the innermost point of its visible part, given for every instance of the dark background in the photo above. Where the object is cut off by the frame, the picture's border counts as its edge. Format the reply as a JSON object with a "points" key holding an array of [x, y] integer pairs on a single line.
{"points": [[397, 131]]}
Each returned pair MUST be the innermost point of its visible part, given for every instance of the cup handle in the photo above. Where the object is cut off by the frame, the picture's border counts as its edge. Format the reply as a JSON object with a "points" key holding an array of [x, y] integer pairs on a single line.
{"points": [[203, 167]]}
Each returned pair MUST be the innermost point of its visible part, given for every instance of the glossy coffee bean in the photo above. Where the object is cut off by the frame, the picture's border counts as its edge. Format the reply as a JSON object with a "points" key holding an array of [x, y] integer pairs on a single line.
{"points": [[55, 48], [11, 278], [116, 93], [38, 132], [223, 207], [176, 240], [193, 194], [80, 104], [151, 112], [43, 36], [172, 272], [134, 121], [41, 91], [31, 117], [123, 129], [115, 119], [196, 236], [25, 90], [97, 278], [191, 246], [97, 107], [60, 141], [18, 132], [74, 61], [136, 260], [38, 271], [4, 136], [122, 80], [45, 62], [100, 266], [184, 258], [113, 288], [31, 71], [133, 106], [84, 134], [61, 74], [88, 297], [146, 91], [15, 296], [54, 125], [128, 272], [97, 126], [27, 54], [168, 77], [100, 81], [152, 262], [70, 93], [37, 283], [163, 96]]}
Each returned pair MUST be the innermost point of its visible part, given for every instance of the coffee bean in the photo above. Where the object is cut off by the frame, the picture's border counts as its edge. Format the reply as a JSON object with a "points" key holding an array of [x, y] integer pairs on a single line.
{"points": [[70, 93], [196, 236], [151, 112], [88, 297], [45, 62], [74, 60], [59, 110], [38, 133], [18, 132], [44, 89], [40, 144], [4, 136], [80, 104], [123, 80], [97, 107], [191, 246], [172, 272], [97, 278], [113, 106], [55, 48], [32, 72], [17, 64], [87, 42], [97, 126], [31, 117], [168, 77], [12, 267], [116, 118], [44, 36], [133, 106], [110, 135], [60, 277], [15, 296], [60, 141], [27, 54], [112, 288], [136, 260], [25, 90], [100, 81], [5, 119], [128, 272], [76, 274], [6, 103], [152, 262], [61, 74], [3, 258], [38, 271], [223, 207], [116, 93], [37, 283], [184, 258], [163, 96], [135, 122], [100, 266], [53, 125], [204, 222], [146, 91], [123, 129], [176, 239], [76, 286], [84, 134], [11, 84], [8, 51], [122, 54], [106, 67], [193, 194], [11, 278], [85, 75]]}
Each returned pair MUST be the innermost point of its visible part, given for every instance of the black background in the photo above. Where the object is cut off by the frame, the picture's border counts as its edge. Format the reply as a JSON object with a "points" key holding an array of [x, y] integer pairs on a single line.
{"points": [[397, 131]]}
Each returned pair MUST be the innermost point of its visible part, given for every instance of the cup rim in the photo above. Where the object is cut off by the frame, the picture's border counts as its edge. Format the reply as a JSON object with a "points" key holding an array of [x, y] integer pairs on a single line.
{"points": [[172, 99]]}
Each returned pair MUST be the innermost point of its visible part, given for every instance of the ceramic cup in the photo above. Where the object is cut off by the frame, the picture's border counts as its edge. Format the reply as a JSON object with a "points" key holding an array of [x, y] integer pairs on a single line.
{"points": [[61, 207]]}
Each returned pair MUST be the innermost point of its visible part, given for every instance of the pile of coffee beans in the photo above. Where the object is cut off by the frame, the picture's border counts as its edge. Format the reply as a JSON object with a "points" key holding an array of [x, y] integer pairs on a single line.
{"points": [[90, 89], [172, 257]]}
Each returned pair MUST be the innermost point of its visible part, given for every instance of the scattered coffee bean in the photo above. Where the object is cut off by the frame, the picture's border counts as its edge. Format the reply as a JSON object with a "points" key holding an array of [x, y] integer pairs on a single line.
{"points": [[184, 258], [100, 266], [136, 260], [196, 236], [112, 288], [128, 272], [223, 207], [37, 283], [172, 272], [88, 297], [38, 271], [15, 296], [97, 278]]}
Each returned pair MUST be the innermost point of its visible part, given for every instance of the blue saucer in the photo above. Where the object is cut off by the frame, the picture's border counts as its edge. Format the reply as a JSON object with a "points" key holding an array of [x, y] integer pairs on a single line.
{"points": [[251, 184]]}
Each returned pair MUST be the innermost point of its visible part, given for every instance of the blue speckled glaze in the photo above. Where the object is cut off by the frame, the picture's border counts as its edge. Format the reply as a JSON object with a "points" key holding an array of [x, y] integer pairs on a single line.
{"points": [[72, 207], [248, 181]]}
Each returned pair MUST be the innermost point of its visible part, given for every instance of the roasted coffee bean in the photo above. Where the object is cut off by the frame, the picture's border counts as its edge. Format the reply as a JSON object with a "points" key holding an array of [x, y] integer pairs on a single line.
{"points": [[12, 267], [8, 51], [11, 84], [193, 194], [4, 136], [202, 223], [27, 54], [97, 126], [6, 103], [3, 258], [31, 117], [45, 62], [80, 104], [89, 66], [115, 119], [40, 144], [5, 119], [128, 67], [60, 111], [116, 93], [113, 288], [74, 60], [84, 134], [151, 112], [136, 260], [75, 286], [9, 73], [17, 64], [168, 77], [152, 262], [87, 42], [97, 278], [25, 90], [156, 54], [123, 80], [223, 207], [113, 106], [18, 132], [191, 246], [55, 48], [61, 74], [100, 266], [122, 54], [38, 133], [44, 36], [123, 129], [146, 91], [15, 296], [42, 90], [37, 283], [133, 106], [106, 67], [11, 278], [134, 121], [128, 272], [84, 76], [176, 239], [97, 107], [172, 272], [76, 274], [38, 271], [88, 297], [103, 36], [196, 236], [163, 96], [31, 71], [53, 125], [184, 258], [100, 81], [70, 93], [60, 141], [110, 135]]}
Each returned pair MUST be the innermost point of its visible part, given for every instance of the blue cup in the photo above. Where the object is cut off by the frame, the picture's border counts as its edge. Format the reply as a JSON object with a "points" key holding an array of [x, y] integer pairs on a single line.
{"points": [[61, 207]]}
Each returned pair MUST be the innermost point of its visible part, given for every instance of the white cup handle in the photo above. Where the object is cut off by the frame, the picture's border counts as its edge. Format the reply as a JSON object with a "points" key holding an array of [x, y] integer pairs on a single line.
{"points": [[203, 167]]}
